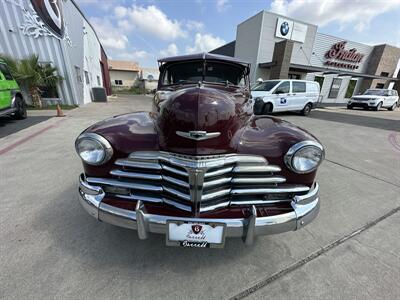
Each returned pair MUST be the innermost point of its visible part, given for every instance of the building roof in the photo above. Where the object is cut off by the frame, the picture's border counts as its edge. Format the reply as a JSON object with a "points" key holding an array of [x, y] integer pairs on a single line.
{"points": [[203, 56], [123, 65]]}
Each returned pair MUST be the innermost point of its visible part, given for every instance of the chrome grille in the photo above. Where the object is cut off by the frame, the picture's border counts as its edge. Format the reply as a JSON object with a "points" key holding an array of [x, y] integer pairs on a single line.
{"points": [[198, 183]]}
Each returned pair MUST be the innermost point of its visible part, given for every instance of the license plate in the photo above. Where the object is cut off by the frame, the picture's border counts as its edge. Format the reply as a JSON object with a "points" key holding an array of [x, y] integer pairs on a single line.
{"points": [[195, 234]]}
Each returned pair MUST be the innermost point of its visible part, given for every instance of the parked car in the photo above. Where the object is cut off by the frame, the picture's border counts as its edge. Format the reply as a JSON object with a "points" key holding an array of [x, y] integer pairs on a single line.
{"points": [[198, 168], [375, 99], [11, 101], [285, 95]]}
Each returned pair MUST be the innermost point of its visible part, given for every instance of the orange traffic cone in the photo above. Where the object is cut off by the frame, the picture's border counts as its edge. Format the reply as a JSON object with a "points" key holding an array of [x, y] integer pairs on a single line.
{"points": [[59, 111]]}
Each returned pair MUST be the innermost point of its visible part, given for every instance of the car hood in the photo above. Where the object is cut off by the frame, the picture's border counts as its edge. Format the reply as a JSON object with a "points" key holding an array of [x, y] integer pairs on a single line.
{"points": [[200, 109], [364, 97]]}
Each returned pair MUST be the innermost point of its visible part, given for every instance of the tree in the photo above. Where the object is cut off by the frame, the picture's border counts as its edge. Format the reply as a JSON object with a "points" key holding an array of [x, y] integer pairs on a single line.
{"points": [[30, 73]]}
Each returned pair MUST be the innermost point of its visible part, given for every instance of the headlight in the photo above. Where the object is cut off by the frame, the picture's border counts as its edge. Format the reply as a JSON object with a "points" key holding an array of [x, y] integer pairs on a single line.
{"points": [[304, 157], [93, 149]]}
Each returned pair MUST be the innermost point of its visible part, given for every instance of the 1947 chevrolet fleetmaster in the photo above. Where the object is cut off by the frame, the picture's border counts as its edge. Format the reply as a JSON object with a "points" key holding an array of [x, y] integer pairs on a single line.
{"points": [[199, 167]]}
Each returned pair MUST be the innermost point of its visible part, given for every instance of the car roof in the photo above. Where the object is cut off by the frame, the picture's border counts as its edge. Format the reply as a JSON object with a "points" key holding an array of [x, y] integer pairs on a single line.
{"points": [[203, 56], [301, 80]]}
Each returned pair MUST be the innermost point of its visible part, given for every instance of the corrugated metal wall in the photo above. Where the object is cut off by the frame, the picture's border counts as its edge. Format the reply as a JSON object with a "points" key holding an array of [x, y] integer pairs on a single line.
{"points": [[59, 52]]}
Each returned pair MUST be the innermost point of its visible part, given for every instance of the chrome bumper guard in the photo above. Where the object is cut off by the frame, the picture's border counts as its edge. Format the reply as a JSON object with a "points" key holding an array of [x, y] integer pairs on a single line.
{"points": [[305, 209]]}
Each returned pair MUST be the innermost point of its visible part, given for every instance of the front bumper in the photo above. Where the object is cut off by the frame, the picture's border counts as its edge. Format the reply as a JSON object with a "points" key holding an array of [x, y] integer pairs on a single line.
{"points": [[363, 104], [305, 209]]}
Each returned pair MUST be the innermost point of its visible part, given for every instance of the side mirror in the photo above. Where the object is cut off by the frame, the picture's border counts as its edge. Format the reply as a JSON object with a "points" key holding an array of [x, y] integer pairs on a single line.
{"points": [[278, 92]]}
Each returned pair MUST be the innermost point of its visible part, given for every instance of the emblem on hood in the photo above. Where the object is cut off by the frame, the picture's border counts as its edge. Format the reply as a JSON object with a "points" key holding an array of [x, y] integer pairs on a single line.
{"points": [[198, 135]]}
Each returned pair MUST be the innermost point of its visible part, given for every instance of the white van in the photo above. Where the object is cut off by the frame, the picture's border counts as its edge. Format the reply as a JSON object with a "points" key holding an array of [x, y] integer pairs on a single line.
{"points": [[285, 95]]}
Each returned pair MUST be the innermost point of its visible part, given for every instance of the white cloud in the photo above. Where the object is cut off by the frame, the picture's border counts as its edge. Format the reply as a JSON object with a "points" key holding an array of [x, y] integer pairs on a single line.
{"points": [[194, 25], [131, 55], [222, 5], [120, 11], [205, 43], [109, 35], [171, 50], [150, 20], [356, 13]]}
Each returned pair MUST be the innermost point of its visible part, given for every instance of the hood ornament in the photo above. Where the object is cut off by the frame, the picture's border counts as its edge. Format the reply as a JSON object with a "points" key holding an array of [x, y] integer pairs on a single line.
{"points": [[198, 135]]}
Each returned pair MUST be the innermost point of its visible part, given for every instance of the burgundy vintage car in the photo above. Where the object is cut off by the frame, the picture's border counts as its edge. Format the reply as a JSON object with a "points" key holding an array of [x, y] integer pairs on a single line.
{"points": [[199, 167]]}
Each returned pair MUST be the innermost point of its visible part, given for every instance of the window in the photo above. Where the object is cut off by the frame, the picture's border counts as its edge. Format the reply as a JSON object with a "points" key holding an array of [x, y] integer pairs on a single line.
{"points": [[385, 74], [283, 88], [294, 76], [312, 87], [380, 85], [320, 80], [266, 86], [118, 82], [335, 87], [98, 81], [299, 87], [350, 88], [87, 77], [209, 72], [6, 72], [78, 74]]}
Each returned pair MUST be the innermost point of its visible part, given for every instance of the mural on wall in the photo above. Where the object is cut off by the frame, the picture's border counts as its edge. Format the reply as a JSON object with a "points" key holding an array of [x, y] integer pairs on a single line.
{"points": [[50, 11], [44, 18]]}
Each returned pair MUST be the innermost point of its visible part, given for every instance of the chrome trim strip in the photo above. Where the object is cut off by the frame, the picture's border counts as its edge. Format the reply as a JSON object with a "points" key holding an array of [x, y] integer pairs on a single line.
{"points": [[129, 185], [219, 172], [252, 169], [120, 173], [177, 193], [216, 182], [289, 189], [137, 164], [173, 170], [175, 181], [140, 198], [209, 196], [250, 227], [255, 180]]}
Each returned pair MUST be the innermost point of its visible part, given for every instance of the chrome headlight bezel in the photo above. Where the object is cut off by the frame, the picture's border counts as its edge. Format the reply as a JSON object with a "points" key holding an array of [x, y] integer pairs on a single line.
{"points": [[100, 141], [291, 154]]}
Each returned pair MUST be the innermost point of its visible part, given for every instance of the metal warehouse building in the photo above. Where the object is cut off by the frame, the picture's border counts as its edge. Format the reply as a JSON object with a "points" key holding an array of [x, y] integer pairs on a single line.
{"points": [[280, 47], [58, 32]]}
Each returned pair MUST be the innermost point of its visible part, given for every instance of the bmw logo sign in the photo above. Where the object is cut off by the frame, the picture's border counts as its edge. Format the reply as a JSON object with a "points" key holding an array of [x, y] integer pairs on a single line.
{"points": [[284, 28]]}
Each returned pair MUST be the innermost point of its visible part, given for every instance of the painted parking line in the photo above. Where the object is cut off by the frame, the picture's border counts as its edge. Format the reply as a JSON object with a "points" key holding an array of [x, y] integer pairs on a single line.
{"points": [[28, 138]]}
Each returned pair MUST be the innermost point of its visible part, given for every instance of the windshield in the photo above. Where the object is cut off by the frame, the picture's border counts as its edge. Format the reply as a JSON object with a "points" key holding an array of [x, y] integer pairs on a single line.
{"points": [[266, 86], [210, 72], [375, 92]]}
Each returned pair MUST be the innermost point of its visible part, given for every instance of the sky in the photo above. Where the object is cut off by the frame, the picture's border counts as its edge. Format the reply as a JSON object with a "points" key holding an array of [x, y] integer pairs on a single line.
{"points": [[143, 31]]}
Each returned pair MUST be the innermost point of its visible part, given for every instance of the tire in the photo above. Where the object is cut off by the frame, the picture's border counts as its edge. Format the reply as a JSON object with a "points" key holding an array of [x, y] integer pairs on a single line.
{"points": [[378, 107], [349, 107], [267, 108], [258, 107], [393, 107], [21, 109], [306, 110]]}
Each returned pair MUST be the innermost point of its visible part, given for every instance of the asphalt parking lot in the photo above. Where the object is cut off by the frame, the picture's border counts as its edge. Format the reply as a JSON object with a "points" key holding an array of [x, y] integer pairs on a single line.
{"points": [[51, 248]]}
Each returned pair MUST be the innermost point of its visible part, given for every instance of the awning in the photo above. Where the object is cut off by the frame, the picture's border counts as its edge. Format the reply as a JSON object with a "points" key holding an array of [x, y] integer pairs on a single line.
{"points": [[311, 69]]}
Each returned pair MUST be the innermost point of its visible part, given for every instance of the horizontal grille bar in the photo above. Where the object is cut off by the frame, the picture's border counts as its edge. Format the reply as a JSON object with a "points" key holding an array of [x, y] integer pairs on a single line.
{"points": [[211, 181]]}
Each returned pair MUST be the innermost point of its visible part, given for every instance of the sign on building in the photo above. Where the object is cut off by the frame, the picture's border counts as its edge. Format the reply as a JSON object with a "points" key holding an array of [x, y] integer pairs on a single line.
{"points": [[290, 30]]}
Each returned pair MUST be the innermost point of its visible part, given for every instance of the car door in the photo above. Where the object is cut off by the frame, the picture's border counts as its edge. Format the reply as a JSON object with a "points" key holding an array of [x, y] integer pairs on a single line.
{"points": [[5, 90], [299, 94], [281, 97]]}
